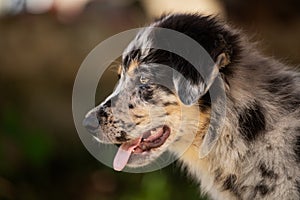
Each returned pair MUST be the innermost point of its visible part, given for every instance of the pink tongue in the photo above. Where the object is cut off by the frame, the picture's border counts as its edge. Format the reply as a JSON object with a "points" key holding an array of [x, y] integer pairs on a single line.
{"points": [[124, 153]]}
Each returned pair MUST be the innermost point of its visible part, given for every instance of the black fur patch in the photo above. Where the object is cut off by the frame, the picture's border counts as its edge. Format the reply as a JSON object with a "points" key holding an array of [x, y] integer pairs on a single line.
{"points": [[137, 123], [185, 68], [102, 112], [133, 55], [206, 30], [298, 186], [252, 122], [231, 185], [229, 182], [205, 103], [297, 144], [146, 93], [122, 137], [267, 173], [262, 189]]}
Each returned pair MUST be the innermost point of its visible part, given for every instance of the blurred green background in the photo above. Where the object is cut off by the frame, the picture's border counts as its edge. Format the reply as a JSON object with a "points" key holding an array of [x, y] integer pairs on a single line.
{"points": [[42, 44]]}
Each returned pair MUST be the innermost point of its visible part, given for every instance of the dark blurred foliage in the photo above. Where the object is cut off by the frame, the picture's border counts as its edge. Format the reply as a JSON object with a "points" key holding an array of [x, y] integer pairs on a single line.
{"points": [[275, 24], [41, 155]]}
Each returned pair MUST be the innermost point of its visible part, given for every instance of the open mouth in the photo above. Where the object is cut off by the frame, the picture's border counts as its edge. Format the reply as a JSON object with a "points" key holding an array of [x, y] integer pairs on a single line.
{"points": [[149, 140]]}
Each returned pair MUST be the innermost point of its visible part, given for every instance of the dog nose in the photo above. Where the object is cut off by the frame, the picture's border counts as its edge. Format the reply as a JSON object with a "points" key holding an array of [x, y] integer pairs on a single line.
{"points": [[90, 122]]}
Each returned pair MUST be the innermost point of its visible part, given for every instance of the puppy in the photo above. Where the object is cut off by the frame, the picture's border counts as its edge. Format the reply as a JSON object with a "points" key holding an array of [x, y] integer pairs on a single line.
{"points": [[255, 151]]}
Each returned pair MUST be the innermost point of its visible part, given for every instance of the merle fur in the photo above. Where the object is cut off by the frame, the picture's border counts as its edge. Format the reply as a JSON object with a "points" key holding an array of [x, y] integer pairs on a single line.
{"points": [[252, 122], [260, 94]]}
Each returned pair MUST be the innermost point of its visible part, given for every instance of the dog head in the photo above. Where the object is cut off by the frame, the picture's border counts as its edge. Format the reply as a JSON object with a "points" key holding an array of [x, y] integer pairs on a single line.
{"points": [[154, 107]]}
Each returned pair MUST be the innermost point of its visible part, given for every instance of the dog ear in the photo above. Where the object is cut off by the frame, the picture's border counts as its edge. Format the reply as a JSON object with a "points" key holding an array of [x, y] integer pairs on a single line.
{"points": [[190, 92], [217, 118]]}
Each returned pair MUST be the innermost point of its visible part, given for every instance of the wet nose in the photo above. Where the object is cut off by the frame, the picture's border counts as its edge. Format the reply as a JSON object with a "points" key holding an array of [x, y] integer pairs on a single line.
{"points": [[90, 122]]}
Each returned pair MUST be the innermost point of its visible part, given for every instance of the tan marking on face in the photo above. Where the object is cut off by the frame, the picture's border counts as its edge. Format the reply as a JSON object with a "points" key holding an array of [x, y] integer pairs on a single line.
{"points": [[196, 131], [119, 70], [140, 116], [191, 155], [203, 124], [204, 120], [172, 109], [133, 64], [203, 127]]}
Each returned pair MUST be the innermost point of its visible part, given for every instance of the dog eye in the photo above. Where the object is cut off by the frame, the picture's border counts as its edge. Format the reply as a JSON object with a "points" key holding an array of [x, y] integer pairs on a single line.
{"points": [[144, 80]]}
